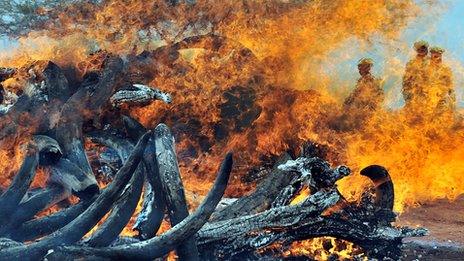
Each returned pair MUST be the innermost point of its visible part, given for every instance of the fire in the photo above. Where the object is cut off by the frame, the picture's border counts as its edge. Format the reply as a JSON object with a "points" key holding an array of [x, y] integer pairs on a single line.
{"points": [[325, 248], [301, 196], [254, 85], [424, 160], [11, 161], [40, 179]]}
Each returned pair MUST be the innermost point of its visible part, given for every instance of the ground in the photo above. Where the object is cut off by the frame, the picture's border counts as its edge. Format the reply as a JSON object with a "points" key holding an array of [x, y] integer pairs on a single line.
{"points": [[445, 221]]}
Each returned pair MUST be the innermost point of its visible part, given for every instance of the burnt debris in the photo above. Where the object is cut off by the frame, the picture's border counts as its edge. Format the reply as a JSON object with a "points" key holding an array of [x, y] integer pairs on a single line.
{"points": [[138, 161]]}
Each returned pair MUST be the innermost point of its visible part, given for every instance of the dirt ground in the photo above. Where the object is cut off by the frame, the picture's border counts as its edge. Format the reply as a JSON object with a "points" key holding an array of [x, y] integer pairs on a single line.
{"points": [[445, 222]]}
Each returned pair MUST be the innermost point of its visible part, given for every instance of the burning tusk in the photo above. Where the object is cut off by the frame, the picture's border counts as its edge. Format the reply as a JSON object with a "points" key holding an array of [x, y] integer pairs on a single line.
{"points": [[49, 150], [121, 213], [75, 230], [46, 198], [160, 245], [73, 178], [172, 186], [127, 201], [154, 202], [36, 228], [133, 128], [150, 217], [11, 198], [384, 190]]}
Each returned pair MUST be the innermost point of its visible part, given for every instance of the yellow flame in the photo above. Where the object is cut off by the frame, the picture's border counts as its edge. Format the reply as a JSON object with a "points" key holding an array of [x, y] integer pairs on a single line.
{"points": [[289, 41]]}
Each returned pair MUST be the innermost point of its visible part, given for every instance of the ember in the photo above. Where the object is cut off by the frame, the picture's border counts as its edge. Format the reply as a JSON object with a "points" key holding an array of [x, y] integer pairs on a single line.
{"points": [[115, 115]]}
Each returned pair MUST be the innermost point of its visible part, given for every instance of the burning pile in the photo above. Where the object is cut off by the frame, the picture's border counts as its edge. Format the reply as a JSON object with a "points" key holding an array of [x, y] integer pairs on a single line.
{"points": [[82, 102], [268, 216]]}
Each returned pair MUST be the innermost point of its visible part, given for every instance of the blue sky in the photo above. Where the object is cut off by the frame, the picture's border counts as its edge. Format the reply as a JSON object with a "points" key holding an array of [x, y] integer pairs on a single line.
{"points": [[4, 43], [450, 31]]}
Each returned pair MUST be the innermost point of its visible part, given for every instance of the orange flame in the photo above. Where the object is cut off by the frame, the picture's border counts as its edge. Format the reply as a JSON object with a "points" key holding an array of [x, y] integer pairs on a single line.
{"points": [[271, 58]]}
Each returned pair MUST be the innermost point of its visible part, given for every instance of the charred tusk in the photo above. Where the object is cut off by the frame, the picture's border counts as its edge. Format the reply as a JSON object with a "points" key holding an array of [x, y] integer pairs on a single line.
{"points": [[11, 198], [33, 205], [154, 203], [127, 201], [173, 188], [70, 176], [49, 150], [160, 245], [384, 190], [75, 230], [39, 227]]}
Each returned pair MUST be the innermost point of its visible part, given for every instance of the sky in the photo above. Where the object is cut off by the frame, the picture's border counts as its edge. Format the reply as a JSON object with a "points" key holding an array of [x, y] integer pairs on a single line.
{"points": [[442, 26], [450, 31]]}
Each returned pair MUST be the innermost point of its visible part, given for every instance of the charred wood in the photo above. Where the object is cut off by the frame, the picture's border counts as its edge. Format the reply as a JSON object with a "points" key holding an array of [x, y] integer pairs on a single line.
{"points": [[246, 233], [318, 172], [243, 236], [379, 242], [312, 173], [288, 193], [371, 230]]}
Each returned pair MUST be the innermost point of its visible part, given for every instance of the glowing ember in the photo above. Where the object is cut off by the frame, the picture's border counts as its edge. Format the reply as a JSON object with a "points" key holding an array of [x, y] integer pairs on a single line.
{"points": [[302, 195], [325, 248]]}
